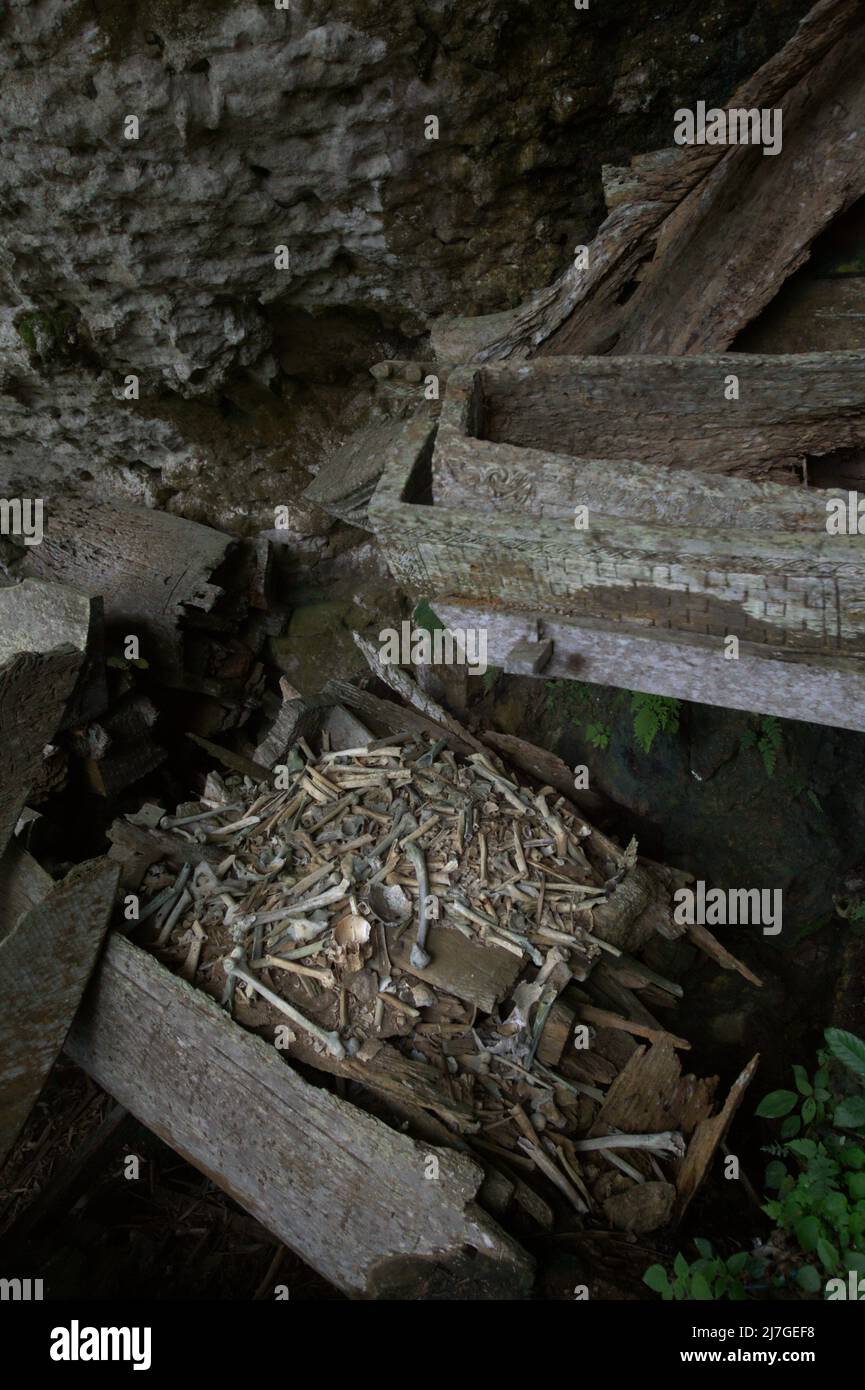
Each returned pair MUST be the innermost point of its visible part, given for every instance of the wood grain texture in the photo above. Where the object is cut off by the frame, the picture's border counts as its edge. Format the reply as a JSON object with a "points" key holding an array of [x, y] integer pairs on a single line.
{"points": [[339, 1187], [148, 566], [477, 973], [23, 882], [706, 1138], [34, 690], [346, 481], [615, 433], [595, 311], [45, 963], [816, 689], [728, 247], [802, 593]]}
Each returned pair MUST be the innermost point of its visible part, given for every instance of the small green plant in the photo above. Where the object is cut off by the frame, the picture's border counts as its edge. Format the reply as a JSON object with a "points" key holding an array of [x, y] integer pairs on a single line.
{"points": [[653, 715], [817, 1174], [708, 1277], [599, 735], [766, 738]]}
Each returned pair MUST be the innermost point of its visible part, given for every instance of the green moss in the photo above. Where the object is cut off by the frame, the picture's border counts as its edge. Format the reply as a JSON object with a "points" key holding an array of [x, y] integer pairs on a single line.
{"points": [[28, 337], [48, 333]]}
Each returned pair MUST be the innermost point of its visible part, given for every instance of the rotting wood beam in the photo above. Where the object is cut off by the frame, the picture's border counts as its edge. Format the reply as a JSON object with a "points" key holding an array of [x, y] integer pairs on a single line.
{"points": [[344, 1191], [45, 962], [149, 566], [592, 310], [34, 690], [817, 689]]}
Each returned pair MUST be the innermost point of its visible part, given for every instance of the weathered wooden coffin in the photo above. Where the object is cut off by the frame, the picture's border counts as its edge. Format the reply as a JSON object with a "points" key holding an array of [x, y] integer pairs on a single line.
{"points": [[689, 530]]}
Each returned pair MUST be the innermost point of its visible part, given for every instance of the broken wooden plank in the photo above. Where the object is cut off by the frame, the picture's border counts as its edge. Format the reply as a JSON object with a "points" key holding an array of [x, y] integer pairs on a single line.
{"points": [[401, 682], [557, 1030], [290, 1153], [475, 973], [709, 943], [605, 1018], [346, 481], [757, 214], [235, 762], [706, 1138], [147, 565], [295, 719], [591, 310], [45, 963], [818, 689], [23, 883], [34, 690], [154, 845], [390, 717], [651, 1095]]}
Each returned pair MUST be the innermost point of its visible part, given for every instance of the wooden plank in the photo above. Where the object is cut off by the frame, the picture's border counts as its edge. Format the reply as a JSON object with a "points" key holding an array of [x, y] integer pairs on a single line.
{"points": [[805, 593], [478, 974], [389, 717], [651, 1095], [45, 963], [34, 690], [591, 310], [403, 685], [293, 1155], [729, 246], [817, 689], [706, 1138], [23, 882], [663, 411], [503, 477], [346, 481], [147, 565]]}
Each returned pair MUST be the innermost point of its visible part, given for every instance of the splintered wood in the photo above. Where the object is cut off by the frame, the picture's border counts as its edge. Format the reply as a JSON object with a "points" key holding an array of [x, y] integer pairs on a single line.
{"points": [[413, 919]]}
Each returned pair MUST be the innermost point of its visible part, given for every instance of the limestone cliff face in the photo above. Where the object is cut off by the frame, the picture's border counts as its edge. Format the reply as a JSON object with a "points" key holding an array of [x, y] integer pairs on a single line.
{"points": [[259, 127]]}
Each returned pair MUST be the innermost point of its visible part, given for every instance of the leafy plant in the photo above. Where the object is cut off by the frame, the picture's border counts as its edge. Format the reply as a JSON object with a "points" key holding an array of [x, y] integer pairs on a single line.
{"points": [[817, 1176], [766, 738], [708, 1277], [653, 714], [599, 735]]}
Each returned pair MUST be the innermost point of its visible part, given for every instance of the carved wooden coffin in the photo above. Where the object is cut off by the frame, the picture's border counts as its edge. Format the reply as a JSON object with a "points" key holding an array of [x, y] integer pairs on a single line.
{"points": [[658, 493]]}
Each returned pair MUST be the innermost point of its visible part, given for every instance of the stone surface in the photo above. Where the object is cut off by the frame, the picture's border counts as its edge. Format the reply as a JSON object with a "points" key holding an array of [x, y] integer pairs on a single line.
{"points": [[260, 127]]}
